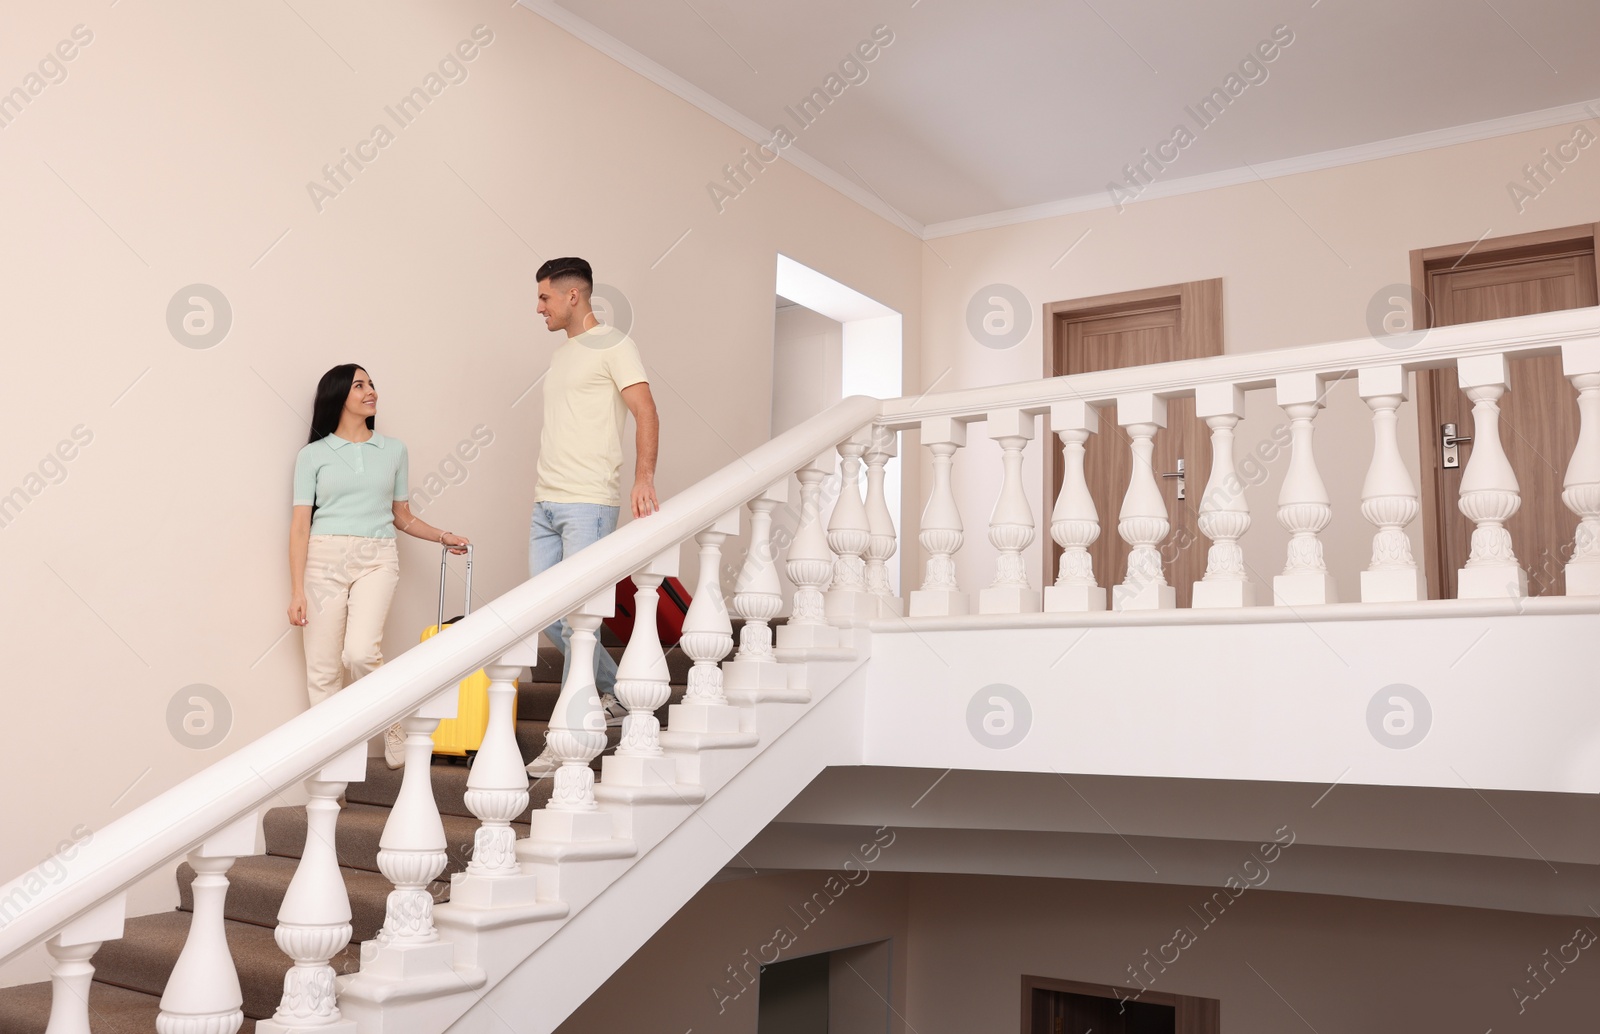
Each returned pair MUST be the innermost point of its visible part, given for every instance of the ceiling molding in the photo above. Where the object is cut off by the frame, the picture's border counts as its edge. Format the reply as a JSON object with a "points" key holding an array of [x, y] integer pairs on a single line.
{"points": [[751, 130], [1511, 124]]}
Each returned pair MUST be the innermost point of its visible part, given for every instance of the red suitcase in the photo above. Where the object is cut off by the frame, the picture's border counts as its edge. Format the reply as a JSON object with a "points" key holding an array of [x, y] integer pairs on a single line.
{"points": [[672, 603]]}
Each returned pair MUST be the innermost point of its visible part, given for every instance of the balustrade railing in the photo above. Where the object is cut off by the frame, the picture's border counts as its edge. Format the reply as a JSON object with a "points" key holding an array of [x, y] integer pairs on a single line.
{"points": [[836, 563], [1136, 399]]}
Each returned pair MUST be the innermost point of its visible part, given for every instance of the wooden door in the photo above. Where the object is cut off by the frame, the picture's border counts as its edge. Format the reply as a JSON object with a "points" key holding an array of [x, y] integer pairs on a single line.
{"points": [[1161, 325], [1515, 276]]}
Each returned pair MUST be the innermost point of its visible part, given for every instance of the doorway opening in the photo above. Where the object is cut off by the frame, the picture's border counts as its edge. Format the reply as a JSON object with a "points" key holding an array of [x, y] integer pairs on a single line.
{"points": [[1069, 1007], [845, 991], [831, 341]]}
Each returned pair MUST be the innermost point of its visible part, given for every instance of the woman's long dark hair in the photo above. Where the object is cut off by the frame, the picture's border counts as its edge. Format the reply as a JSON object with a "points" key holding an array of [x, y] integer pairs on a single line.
{"points": [[332, 392]]}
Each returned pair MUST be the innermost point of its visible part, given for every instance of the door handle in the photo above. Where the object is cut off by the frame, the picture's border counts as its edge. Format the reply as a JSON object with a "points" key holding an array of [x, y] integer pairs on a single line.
{"points": [[1179, 475], [1448, 440]]}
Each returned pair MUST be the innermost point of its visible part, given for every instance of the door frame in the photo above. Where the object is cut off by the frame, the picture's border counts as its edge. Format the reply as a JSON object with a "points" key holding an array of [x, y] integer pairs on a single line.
{"points": [[1200, 330], [1195, 1015], [1492, 251]]}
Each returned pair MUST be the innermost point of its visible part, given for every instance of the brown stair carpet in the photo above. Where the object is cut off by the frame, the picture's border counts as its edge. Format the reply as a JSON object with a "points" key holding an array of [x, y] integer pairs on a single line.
{"points": [[131, 973]]}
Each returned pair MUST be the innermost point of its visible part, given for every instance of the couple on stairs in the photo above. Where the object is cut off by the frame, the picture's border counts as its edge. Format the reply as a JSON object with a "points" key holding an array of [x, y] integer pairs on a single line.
{"points": [[351, 487]]}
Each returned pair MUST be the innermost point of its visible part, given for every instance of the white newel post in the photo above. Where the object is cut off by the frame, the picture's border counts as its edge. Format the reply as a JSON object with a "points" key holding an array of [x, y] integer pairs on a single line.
{"points": [[576, 736], [1011, 524], [1388, 496], [707, 639], [754, 671], [644, 684], [1303, 507], [203, 994], [71, 971], [314, 920], [881, 541], [1581, 486], [1142, 521], [1224, 515], [810, 565], [1489, 491], [1074, 523], [847, 600], [941, 533]]}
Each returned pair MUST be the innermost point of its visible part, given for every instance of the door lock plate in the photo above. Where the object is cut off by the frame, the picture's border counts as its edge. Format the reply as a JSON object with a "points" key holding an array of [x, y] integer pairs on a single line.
{"points": [[1449, 446]]}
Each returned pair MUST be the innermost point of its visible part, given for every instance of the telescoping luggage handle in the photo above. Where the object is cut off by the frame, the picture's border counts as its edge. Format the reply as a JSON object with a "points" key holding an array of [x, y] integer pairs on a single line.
{"points": [[444, 570]]}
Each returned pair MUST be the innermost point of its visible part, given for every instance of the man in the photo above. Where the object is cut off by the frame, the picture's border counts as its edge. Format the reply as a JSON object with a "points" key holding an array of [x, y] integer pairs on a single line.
{"points": [[595, 377]]}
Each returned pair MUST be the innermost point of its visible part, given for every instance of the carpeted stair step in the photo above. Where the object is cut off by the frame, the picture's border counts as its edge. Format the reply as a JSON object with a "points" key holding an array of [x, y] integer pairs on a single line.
{"points": [[112, 1010], [359, 830], [382, 785], [256, 886], [143, 959]]}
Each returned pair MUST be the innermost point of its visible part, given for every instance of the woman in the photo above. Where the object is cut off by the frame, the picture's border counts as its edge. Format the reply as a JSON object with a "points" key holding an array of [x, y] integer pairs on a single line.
{"points": [[350, 489]]}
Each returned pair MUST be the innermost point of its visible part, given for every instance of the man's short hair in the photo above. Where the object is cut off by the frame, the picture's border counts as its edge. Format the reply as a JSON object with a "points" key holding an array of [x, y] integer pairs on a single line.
{"points": [[566, 268]]}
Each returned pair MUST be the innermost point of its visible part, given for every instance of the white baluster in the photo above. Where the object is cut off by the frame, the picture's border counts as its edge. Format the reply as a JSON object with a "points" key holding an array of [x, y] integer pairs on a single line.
{"points": [[497, 785], [1011, 522], [706, 720], [1142, 521], [314, 919], [941, 533], [1303, 507], [754, 672], [1224, 515], [202, 994], [849, 534], [1388, 496], [644, 684], [880, 522], [1489, 491], [1074, 523], [408, 954], [577, 735], [413, 850], [810, 565], [1581, 487], [71, 972], [707, 639]]}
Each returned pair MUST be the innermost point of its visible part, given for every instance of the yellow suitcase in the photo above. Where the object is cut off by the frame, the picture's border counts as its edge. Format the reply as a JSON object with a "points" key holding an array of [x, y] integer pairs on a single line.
{"points": [[461, 736]]}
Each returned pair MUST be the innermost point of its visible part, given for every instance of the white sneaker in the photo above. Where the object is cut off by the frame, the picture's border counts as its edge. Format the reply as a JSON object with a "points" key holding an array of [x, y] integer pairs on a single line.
{"points": [[614, 711], [394, 746], [545, 764]]}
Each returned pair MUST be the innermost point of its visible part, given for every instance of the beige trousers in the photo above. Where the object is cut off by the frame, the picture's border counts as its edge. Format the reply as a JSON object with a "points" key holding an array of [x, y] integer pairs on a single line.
{"points": [[350, 582]]}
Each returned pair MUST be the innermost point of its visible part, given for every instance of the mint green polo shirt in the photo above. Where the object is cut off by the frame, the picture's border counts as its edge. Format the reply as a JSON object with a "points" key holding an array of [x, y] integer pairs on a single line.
{"points": [[353, 485]]}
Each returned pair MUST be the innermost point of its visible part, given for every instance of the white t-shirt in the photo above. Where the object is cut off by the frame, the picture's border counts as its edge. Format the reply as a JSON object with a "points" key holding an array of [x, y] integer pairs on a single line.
{"points": [[580, 446]]}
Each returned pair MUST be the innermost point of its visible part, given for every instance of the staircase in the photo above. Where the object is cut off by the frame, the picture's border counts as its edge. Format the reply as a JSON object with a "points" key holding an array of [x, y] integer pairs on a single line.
{"points": [[552, 887], [131, 973]]}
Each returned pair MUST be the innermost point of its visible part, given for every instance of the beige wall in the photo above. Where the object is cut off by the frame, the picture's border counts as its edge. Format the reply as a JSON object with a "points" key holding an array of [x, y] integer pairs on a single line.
{"points": [[1300, 257], [961, 945], [177, 150], [1341, 963]]}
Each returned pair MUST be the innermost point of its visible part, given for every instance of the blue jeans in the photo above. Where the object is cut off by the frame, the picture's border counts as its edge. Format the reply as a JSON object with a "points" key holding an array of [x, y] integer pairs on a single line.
{"points": [[557, 531]]}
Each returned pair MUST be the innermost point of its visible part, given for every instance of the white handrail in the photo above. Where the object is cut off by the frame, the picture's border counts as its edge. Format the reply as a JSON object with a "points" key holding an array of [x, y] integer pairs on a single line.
{"points": [[1538, 334], [161, 830]]}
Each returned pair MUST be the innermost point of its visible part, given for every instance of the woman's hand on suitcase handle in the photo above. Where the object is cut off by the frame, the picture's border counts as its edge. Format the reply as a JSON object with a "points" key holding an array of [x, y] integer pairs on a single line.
{"points": [[297, 609], [456, 543]]}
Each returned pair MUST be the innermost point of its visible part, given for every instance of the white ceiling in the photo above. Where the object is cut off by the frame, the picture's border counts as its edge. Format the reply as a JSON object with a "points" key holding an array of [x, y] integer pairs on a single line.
{"points": [[984, 108]]}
